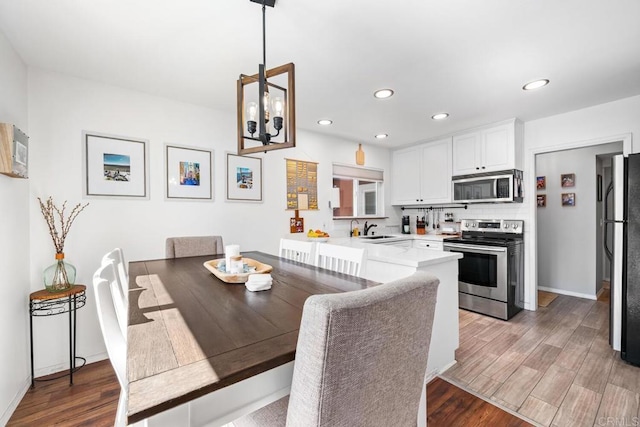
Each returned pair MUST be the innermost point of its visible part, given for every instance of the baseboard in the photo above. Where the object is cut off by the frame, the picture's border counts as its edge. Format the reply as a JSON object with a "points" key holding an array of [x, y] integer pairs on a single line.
{"points": [[568, 293], [50, 370], [4, 420]]}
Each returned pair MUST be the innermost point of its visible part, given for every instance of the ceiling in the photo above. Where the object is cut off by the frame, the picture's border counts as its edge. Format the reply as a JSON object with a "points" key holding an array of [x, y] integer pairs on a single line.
{"points": [[469, 58]]}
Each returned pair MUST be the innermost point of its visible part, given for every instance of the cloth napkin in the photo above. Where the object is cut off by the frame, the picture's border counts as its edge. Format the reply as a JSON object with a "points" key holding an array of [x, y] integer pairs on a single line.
{"points": [[259, 282]]}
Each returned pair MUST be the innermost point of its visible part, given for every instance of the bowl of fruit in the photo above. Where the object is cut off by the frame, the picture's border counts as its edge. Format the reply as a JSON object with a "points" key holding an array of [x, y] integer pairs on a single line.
{"points": [[318, 235]]}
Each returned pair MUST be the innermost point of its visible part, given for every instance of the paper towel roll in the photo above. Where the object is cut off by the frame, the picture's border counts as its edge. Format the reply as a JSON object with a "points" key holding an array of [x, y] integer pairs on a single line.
{"points": [[229, 251]]}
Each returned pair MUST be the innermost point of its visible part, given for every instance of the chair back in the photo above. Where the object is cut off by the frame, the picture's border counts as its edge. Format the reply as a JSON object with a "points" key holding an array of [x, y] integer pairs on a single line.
{"points": [[342, 259], [180, 247], [297, 250], [114, 338], [117, 258], [107, 273], [361, 356]]}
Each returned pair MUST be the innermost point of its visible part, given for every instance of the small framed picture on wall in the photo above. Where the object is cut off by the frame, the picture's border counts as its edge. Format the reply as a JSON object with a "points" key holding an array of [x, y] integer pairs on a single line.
{"points": [[568, 199], [541, 200], [541, 183], [568, 180]]}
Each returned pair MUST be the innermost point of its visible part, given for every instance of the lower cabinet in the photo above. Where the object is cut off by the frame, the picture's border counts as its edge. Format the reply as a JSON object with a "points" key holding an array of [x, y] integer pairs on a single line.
{"points": [[428, 244]]}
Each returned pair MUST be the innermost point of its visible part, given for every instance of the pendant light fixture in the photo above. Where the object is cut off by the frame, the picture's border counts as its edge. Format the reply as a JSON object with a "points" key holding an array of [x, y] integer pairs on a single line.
{"points": [[266, 103]]}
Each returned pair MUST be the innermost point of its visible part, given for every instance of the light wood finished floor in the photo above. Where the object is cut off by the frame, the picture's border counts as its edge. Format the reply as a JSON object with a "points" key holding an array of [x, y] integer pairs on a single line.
{"points": [[553, 366]]}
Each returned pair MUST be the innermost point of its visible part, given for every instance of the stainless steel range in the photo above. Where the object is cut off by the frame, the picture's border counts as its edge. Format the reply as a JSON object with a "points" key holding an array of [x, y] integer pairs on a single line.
{"points": [[491, 272]]}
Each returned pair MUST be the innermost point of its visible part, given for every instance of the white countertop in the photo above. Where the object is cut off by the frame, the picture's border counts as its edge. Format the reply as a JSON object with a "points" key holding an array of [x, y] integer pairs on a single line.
{"points": [[412, 257]]}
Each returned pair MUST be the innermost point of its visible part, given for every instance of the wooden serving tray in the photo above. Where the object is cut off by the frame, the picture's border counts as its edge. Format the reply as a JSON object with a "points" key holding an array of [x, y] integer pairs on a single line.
{"points": [[212, 266]]}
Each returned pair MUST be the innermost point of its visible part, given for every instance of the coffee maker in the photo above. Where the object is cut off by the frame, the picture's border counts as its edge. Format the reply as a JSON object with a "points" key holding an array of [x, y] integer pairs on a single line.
{"points": [[406, 225]]}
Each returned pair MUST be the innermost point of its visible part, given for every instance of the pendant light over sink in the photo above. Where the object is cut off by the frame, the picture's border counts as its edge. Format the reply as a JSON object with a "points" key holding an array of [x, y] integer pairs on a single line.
{"points": [[266, 103]]}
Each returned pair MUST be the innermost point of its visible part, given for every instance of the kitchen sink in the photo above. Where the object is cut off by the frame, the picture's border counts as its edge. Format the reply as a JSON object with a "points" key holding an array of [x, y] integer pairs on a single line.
{"points": [[379, 236]]}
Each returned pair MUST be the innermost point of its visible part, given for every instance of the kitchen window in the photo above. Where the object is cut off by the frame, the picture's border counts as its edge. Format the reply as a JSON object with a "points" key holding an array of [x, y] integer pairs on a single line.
{"points": [[360, 192]]}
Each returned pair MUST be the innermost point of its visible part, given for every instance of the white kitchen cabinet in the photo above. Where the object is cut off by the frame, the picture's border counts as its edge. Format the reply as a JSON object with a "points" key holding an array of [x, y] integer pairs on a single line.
{"points": [[422, 174], [488, 149]]}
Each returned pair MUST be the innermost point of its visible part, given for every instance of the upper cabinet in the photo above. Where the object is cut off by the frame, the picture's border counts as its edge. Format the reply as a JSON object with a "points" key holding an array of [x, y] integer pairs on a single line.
{"points": [[422, 174], [488, 149]]}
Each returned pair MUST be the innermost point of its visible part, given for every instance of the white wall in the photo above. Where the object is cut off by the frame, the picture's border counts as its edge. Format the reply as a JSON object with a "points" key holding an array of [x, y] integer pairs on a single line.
{"points": [[61, 107], [14, 243], [568, 236]]}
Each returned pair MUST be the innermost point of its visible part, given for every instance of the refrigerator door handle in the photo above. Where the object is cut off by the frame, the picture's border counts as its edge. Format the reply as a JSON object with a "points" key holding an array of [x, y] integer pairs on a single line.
{"points": [[606, 221]]}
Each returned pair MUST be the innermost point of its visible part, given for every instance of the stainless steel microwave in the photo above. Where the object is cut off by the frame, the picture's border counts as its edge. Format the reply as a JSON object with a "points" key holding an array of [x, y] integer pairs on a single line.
{"points": [[488, 187]]}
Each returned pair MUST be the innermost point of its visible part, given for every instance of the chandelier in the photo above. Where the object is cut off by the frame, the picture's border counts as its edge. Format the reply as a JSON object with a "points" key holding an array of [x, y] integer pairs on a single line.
{"points": [[266, 104]]}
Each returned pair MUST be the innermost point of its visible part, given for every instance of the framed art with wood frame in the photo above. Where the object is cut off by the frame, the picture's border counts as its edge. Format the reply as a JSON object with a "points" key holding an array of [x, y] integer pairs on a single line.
{"points": [[115, 166], [568, 199], [244, 178], [541, 200], [568, 180], [188, 173]]}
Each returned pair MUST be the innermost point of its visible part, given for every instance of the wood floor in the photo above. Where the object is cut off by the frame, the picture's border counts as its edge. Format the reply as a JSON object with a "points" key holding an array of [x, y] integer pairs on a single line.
{"points": [[93, 400], [553, 366]]}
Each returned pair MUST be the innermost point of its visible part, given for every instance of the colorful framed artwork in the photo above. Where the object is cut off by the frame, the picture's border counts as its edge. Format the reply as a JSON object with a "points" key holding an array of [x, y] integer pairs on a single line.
{"points": [[541, 200], [244, 178], [115, 166], [188, 173], [568, 180], [568, 199], [541, 183]]}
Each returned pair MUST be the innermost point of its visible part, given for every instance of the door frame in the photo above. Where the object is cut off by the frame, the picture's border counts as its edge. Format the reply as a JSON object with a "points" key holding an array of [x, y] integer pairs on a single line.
{"points": [[531, 243]]}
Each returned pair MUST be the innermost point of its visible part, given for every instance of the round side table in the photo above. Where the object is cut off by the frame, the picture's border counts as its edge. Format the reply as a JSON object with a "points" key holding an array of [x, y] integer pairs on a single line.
{"points": [[45, 303]]}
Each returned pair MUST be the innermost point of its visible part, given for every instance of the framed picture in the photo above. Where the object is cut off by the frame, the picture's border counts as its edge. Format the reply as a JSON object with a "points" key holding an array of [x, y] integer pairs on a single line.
{"points": [[568, 199], [188, 173], [599, 187], [541, 200], [568, 180], [115, 166], [541, 183], [244, 178]]}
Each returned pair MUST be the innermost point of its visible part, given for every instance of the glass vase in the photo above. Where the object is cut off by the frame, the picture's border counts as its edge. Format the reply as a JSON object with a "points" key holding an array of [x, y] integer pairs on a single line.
{"points": [[59, 276]]}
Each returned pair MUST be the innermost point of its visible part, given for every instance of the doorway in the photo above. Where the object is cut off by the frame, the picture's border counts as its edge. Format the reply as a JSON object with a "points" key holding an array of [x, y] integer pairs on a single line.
{"points": [[569, 253]]}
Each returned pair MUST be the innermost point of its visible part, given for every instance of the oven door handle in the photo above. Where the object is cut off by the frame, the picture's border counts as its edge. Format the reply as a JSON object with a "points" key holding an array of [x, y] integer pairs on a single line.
{"points": [[475, 248]]}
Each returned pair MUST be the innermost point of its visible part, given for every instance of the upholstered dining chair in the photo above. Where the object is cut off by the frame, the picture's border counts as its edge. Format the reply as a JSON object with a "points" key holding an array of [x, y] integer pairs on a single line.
{"points": [[297, 250], [180, 247], [343, 259], [361, 358], [112, 334]]}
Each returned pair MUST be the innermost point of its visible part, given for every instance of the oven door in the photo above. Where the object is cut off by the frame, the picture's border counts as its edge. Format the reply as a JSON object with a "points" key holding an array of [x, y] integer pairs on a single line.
{"points": [[482, 270]]}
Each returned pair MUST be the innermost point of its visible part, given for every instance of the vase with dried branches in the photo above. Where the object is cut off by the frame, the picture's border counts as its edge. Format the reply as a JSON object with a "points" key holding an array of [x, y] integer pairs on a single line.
{"points": [[61, 275]]}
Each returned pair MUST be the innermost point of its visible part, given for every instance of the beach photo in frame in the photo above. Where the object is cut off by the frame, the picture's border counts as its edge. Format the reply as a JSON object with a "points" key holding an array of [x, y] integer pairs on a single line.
{"points": [[188, 173], [115, 166], [244, 178]]}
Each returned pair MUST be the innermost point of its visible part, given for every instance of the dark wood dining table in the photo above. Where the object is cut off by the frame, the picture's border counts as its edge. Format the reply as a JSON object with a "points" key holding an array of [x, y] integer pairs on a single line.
{"points": [[191, 334]]}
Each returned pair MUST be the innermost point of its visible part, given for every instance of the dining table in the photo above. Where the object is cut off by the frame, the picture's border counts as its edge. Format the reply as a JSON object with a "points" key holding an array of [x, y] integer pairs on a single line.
{"points": [[201, 351]]}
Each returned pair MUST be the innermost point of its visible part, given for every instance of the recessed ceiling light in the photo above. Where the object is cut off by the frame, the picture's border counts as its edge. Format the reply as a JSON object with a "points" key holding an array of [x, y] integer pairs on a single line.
{"points": [[536, 84], [381, 136], [440, 116], [383, 93], [325, 122]]}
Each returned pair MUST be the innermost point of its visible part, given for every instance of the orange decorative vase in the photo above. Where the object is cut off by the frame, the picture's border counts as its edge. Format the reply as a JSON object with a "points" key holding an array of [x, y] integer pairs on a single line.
{"points": [[59, 276]]}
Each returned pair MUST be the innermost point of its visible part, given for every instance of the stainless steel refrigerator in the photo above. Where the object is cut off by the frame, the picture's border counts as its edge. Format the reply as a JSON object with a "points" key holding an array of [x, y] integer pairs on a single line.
{"points": [[624, 223]]}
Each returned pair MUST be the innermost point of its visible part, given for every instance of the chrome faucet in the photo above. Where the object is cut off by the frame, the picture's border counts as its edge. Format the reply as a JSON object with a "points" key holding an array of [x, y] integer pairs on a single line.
{"points": [[367, 227], [351, 227]]}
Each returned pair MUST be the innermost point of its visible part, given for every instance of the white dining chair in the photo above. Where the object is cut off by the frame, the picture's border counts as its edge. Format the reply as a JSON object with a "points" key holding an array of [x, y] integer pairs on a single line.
{"points": [[343, 259], [361, 358], [179, 247], [297, 250], [117, 257], [107, 272], [114, 338]]}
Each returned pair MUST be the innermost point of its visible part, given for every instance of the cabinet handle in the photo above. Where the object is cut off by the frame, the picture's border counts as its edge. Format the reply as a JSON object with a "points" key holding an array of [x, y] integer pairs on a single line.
{"points": [[477, 168], [483, 167]]}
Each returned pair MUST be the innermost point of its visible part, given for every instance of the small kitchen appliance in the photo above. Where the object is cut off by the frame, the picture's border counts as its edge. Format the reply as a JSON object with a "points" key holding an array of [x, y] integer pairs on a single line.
{"points": [[491, 272], [406, 225]]}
